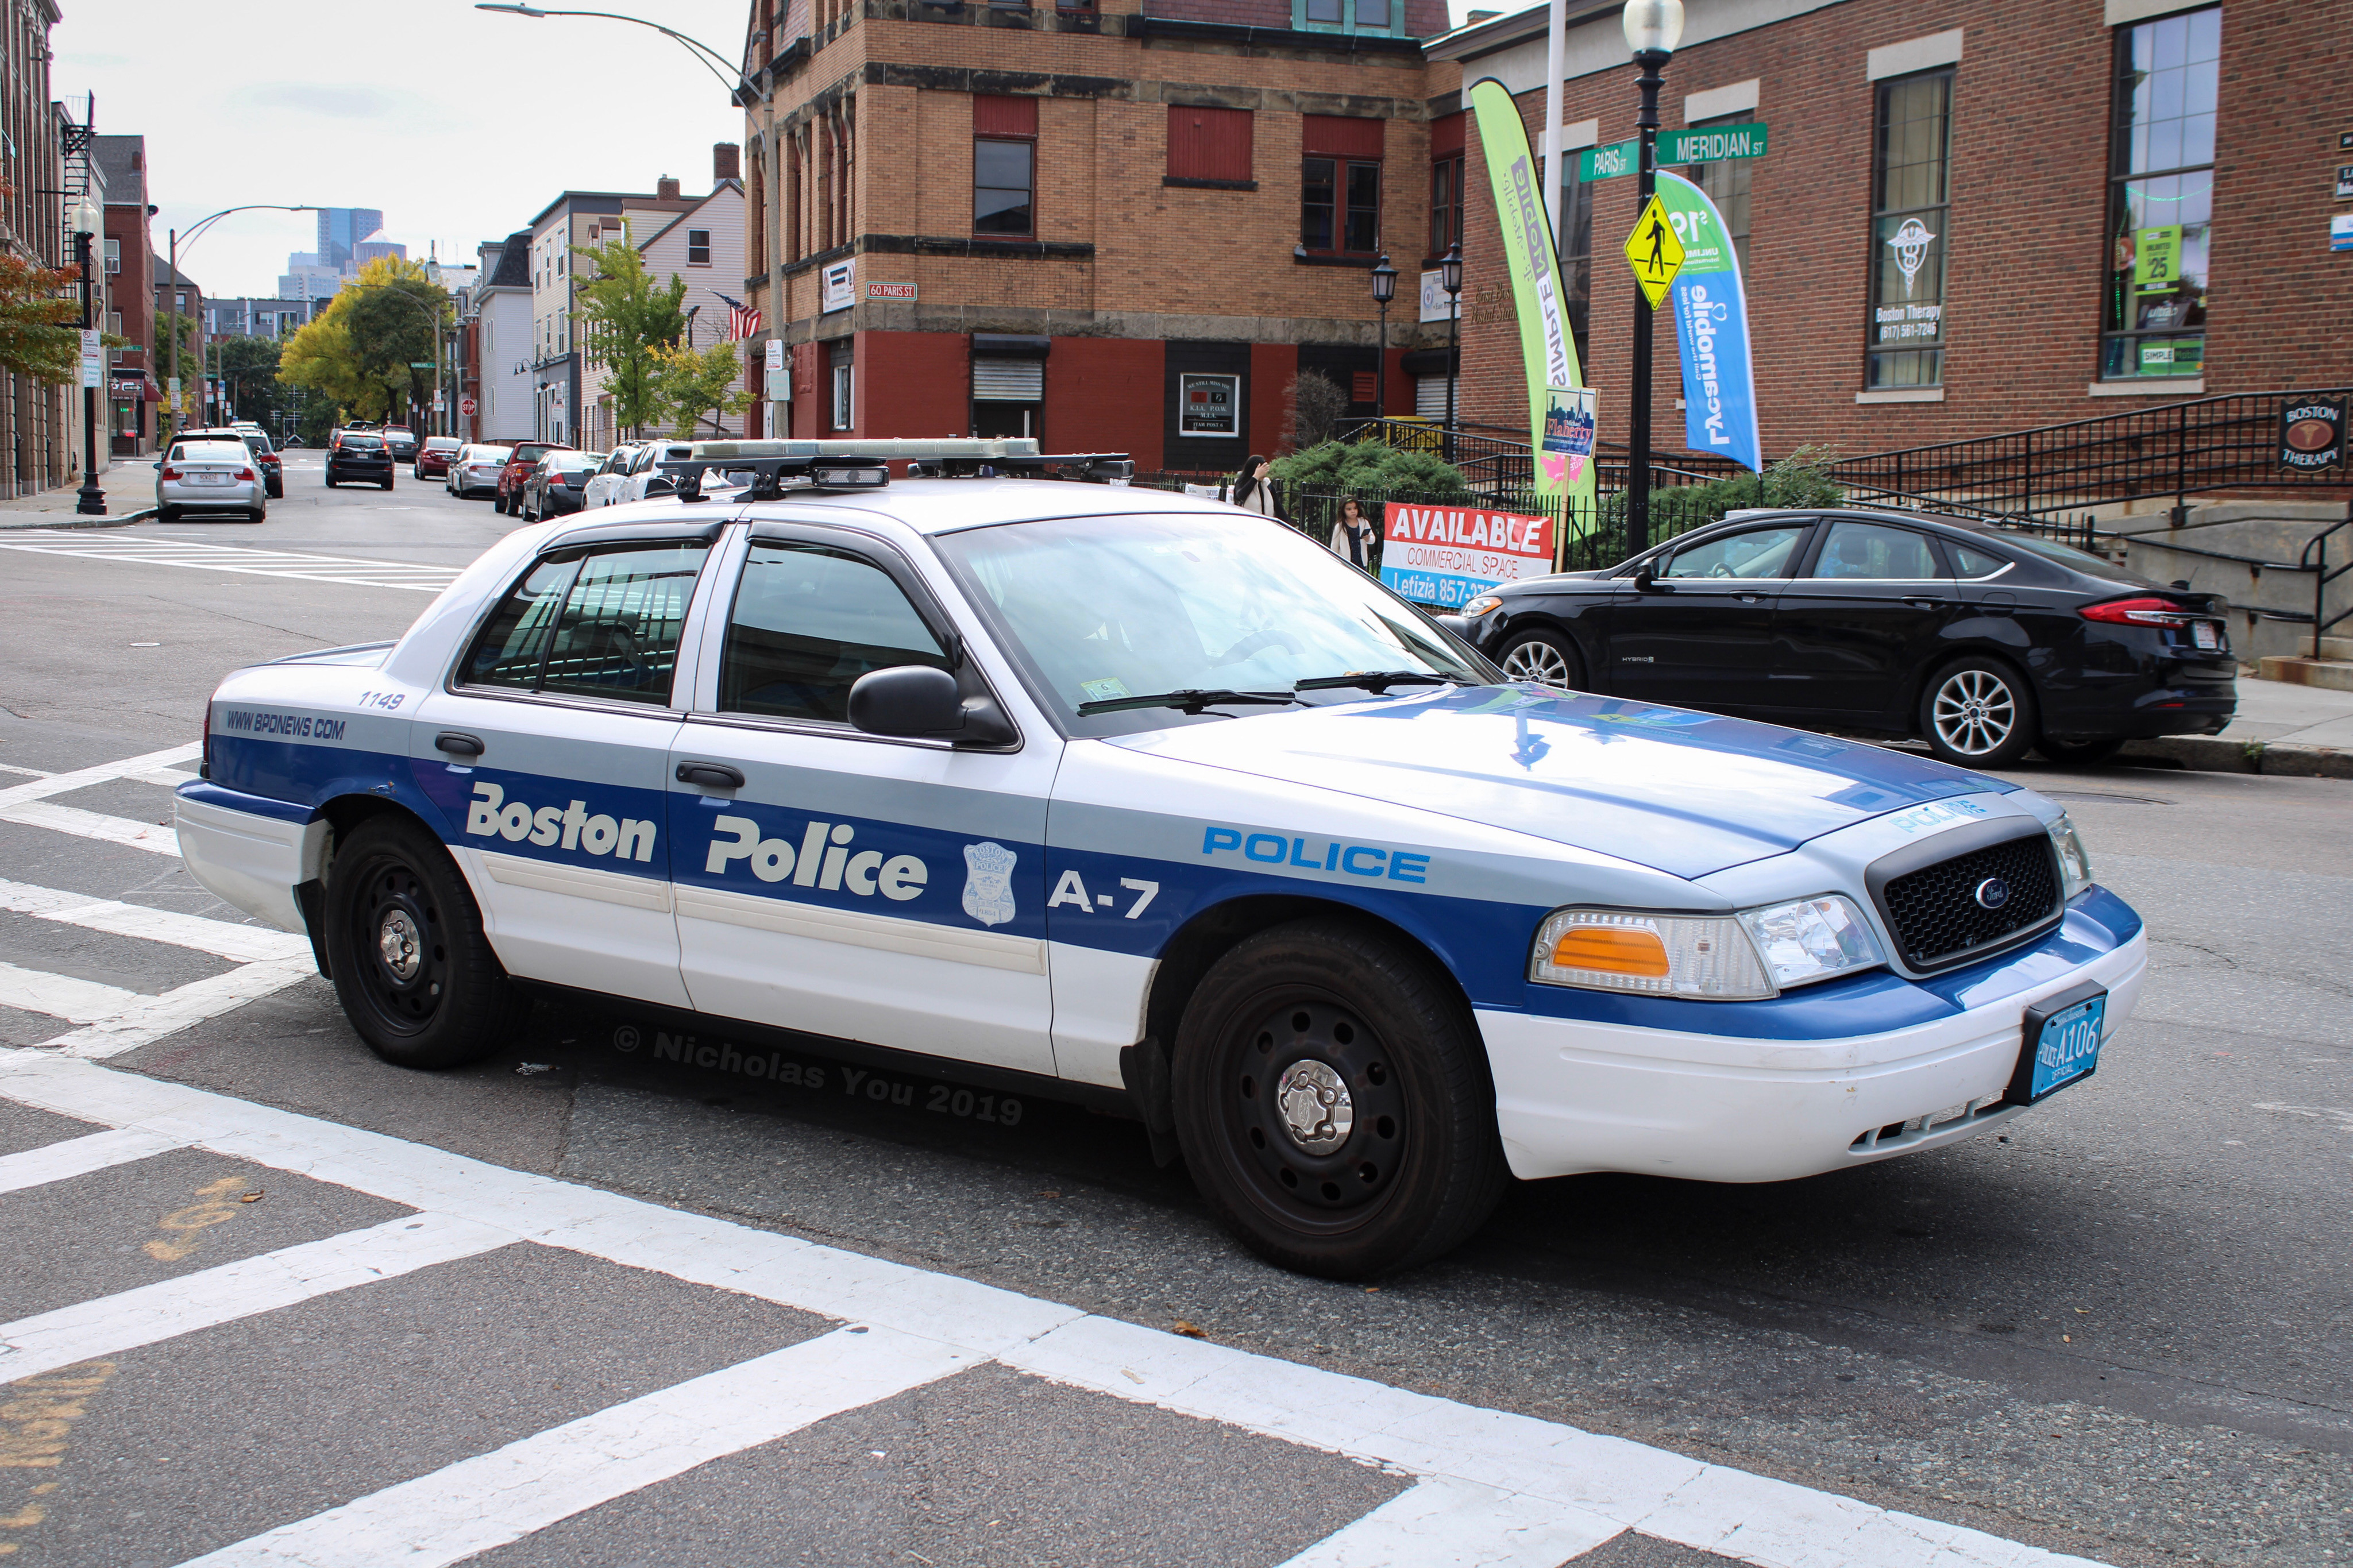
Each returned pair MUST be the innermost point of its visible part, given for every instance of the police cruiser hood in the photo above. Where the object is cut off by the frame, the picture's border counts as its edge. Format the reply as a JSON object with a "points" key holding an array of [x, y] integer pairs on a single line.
{"points": [[1684, 793]]}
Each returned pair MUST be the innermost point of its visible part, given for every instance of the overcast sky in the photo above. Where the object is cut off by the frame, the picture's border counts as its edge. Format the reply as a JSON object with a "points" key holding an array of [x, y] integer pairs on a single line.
{"points": [[459, 125]]}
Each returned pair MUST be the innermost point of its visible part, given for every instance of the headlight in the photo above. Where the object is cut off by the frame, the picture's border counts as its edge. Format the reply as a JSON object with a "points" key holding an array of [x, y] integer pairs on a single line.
{"points": [[1739, 957], [1480, 606], [2074, 866]]}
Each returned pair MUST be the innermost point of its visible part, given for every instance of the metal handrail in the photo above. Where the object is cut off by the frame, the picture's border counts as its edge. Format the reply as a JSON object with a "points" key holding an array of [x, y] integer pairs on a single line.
{"points": [[2323, 576]]}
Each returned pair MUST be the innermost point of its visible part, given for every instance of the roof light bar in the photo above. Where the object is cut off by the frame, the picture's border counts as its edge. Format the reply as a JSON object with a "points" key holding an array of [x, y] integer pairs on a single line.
{"points": [[768, 467]]}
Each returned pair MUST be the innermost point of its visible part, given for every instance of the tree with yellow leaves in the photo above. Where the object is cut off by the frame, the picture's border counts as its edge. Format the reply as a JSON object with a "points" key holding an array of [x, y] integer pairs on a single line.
{"points": [[360, 352]]}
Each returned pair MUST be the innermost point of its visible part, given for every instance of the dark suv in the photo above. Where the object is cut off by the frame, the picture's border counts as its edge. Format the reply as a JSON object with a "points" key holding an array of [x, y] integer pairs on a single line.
{"points": [[402, 442], [359, 455]]}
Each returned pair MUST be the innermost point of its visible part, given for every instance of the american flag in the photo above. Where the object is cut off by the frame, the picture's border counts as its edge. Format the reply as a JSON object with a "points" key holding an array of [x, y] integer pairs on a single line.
{"points": [[742, 321]]}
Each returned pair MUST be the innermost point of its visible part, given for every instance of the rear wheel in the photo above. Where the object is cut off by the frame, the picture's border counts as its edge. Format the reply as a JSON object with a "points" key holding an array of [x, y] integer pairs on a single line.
{"points": [[2079, 753], [258, 514], [387, 484], [167, 514], [1978, 712], [1542, 657], [1333, 1101], [405, 945]]}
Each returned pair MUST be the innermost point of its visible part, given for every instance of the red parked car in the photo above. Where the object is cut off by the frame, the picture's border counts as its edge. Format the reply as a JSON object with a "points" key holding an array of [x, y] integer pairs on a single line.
{"points": [[521, 461], [433, 458]]}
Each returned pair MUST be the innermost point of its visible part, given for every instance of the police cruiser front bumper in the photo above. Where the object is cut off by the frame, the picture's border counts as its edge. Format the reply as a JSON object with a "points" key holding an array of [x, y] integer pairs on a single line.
{"points": [[1575, 1095]]}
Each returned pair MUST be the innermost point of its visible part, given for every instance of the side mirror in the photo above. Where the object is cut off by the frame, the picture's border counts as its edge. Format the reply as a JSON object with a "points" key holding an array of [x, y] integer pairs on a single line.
{"points": [[1643, 578], [917, 702]]}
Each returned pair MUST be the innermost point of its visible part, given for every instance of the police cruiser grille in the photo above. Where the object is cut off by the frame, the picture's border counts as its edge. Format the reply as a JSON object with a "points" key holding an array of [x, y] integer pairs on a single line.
{"points": [[1937, 917]]}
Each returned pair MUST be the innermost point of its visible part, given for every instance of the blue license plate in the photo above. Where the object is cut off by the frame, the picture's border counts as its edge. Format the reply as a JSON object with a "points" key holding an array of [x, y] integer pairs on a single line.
{"points": [[2061, 1043]]}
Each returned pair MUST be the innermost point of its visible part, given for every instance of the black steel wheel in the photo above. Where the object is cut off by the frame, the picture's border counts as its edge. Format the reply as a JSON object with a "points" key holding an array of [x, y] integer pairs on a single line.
{"points": [[1333, 1101], [1542, 657], [1978, 712], [405, 947]]}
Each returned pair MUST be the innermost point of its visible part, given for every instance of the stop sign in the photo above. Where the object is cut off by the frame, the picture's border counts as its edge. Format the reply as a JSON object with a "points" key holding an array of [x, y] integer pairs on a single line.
{"points": [[466, 406]]}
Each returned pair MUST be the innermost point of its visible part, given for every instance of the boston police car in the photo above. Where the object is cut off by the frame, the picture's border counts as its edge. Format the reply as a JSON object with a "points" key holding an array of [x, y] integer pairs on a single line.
{"points": [[1074, 789]]}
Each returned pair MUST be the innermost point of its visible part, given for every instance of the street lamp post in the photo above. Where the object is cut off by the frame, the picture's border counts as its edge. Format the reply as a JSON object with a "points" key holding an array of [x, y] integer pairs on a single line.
{"points": [[1654, 28], [1450, 278], [87, 221], [196, 232], [1385, 279]]}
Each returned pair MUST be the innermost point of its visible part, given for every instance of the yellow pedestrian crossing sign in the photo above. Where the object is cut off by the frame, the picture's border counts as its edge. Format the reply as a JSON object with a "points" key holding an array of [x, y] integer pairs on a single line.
{"points": [[1654, 252]]}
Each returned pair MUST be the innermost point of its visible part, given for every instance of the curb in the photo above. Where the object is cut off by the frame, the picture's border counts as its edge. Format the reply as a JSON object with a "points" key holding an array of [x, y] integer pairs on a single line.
{"points": [[75, 520], [2211, 754]]}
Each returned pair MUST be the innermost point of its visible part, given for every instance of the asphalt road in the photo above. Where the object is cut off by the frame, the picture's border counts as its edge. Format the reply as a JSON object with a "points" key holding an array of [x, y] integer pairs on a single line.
{"points": [[2124, 1330]]}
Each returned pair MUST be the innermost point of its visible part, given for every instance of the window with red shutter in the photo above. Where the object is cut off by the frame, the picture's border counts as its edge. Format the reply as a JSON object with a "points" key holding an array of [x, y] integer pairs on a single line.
{"points": [[1209, 146]]}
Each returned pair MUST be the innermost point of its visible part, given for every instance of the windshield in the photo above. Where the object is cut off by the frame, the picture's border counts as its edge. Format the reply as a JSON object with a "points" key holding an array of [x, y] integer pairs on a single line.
{"points": [[1097, 609]]}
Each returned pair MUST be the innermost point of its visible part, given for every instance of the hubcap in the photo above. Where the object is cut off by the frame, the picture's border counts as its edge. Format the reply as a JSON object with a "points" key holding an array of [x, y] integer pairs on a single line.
{"points": [[1317, 1110], [1538, 663], [1974, 713], [397, 941]]}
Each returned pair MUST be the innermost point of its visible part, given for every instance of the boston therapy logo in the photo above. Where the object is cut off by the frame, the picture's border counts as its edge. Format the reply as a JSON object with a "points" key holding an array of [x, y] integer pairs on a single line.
{"points": [[2312, 434]]}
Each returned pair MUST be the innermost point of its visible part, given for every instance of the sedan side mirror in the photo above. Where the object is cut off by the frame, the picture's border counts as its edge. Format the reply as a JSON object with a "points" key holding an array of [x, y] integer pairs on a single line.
{"points": [[919, 702], [1643, 578]]}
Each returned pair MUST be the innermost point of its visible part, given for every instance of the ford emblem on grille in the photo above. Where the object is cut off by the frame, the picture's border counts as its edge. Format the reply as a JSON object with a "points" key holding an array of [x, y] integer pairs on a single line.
{"points": [[1993, 892]]}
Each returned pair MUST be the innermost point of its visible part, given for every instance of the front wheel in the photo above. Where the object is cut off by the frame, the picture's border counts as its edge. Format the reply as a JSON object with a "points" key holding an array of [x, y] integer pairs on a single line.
{"points": [[1542, 657], [405, 947], [1333, 1101], [1978, 712]]}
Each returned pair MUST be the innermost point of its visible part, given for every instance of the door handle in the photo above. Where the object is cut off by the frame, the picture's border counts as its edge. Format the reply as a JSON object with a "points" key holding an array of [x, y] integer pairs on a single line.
{"points": [[1927, 603], [1752, 598], [713, 775], [458, 744]]}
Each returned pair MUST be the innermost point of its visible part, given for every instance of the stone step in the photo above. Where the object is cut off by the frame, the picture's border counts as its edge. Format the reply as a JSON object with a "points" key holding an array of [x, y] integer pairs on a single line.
{"points": [[2337, 648], [2336, 674]]}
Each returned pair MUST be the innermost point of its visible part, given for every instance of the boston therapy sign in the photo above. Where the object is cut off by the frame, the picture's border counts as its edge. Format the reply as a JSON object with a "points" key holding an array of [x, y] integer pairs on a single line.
{"points": [[1447, 556]]}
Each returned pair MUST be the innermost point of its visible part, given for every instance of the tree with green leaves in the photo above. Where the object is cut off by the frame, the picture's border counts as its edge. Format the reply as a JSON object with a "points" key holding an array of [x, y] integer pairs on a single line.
{"points": [[694, 383], [360, 352], [626, 319]]}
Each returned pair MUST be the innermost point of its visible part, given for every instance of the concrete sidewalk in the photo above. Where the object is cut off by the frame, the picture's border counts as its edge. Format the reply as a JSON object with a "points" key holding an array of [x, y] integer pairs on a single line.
{"points": [[130, 488], [2280, 728]]}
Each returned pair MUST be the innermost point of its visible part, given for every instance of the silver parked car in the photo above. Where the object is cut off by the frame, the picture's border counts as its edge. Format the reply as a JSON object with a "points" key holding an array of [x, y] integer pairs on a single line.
{"points": [[219, 475], [475, 470]]}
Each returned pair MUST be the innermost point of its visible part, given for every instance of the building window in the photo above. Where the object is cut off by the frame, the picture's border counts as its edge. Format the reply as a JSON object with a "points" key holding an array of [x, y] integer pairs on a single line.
{"points": [[1003, 164], [1909, 238], [698, 247], [114, 256], [1211, 144], [1347, 16], [1445, 204], [1726, 184], [2161, 197], [1340, 185], [114, 327], [844, 408]]}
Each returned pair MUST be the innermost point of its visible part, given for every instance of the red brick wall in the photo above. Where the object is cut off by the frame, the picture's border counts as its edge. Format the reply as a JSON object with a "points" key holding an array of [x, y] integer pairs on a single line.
{"points": [[1103, 395], [2027, 223]]}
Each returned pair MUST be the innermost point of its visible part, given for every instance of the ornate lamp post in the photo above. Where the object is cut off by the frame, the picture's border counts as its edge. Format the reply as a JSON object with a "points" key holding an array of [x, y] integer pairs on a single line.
{"points": [[1385, 279], [1450, 278], [88, 220], [1654, 28]]}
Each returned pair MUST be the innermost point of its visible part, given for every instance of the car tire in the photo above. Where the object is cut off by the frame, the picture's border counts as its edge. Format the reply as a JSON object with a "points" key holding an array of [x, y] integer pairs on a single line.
{"points": [[1542, 657], [330, 482], [385, 484], [1978, 712], [167, 514], [2079, 753], [259, 514], [395, 902], [1326, 1007]]}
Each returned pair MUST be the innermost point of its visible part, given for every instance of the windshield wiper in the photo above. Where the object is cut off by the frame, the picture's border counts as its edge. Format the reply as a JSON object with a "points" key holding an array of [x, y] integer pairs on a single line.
{"points": [[1378, 680], [1192, 700]]}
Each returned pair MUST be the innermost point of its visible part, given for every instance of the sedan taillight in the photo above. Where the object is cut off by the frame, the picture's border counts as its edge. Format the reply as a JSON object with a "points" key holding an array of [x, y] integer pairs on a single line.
{"points": [[2145, 612], [245, 476], [173, 475]]}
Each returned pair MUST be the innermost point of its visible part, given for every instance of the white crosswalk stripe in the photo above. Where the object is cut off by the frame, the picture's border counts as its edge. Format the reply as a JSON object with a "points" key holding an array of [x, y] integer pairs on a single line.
{"points": [[63, 996], [1491, 1486], [350, 569], [80, 1156], [245, 943], [73, 819]]}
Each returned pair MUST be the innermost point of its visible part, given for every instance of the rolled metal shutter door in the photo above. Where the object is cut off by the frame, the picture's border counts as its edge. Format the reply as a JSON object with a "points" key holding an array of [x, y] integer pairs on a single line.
{"points": [[1429, 397], [1009, 380]]}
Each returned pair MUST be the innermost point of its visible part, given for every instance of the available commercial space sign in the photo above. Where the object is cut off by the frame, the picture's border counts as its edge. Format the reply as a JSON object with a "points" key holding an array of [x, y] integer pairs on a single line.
{"points": [[1447, 556]]}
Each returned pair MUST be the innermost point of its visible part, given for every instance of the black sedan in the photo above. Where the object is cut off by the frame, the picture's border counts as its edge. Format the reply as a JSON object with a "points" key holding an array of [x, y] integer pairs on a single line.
{"points": [[1980, 641], [559, 484]]}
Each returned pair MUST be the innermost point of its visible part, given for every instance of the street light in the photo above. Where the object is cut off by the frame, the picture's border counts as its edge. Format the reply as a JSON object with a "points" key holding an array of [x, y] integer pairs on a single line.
{"points": [[712, 59], [1654, 28], [1450, 278], [1385, 279], [88, 220], [196, 232]]}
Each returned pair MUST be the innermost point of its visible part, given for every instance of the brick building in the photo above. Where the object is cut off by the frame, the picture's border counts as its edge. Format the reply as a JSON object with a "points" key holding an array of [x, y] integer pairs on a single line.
{"points": [[2127, 200], [134, 397], [1109, 229]]}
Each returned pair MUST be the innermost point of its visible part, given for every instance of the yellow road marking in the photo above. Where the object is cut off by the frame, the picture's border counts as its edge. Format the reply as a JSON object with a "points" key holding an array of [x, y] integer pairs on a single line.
{"points": [[192, 1221]]}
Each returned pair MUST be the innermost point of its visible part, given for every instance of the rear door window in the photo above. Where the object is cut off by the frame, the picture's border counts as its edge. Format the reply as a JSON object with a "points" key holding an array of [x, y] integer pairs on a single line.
{"points": [[1873, 551], [604, 626]]}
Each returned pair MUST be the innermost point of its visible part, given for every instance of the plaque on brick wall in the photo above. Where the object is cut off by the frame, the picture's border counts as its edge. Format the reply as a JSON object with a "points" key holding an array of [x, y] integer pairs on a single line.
{"points": [[2310, 434]]}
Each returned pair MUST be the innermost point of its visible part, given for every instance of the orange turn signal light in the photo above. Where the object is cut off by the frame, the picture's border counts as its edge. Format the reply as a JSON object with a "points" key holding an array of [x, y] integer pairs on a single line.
{"points": [[1611, 950]]}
